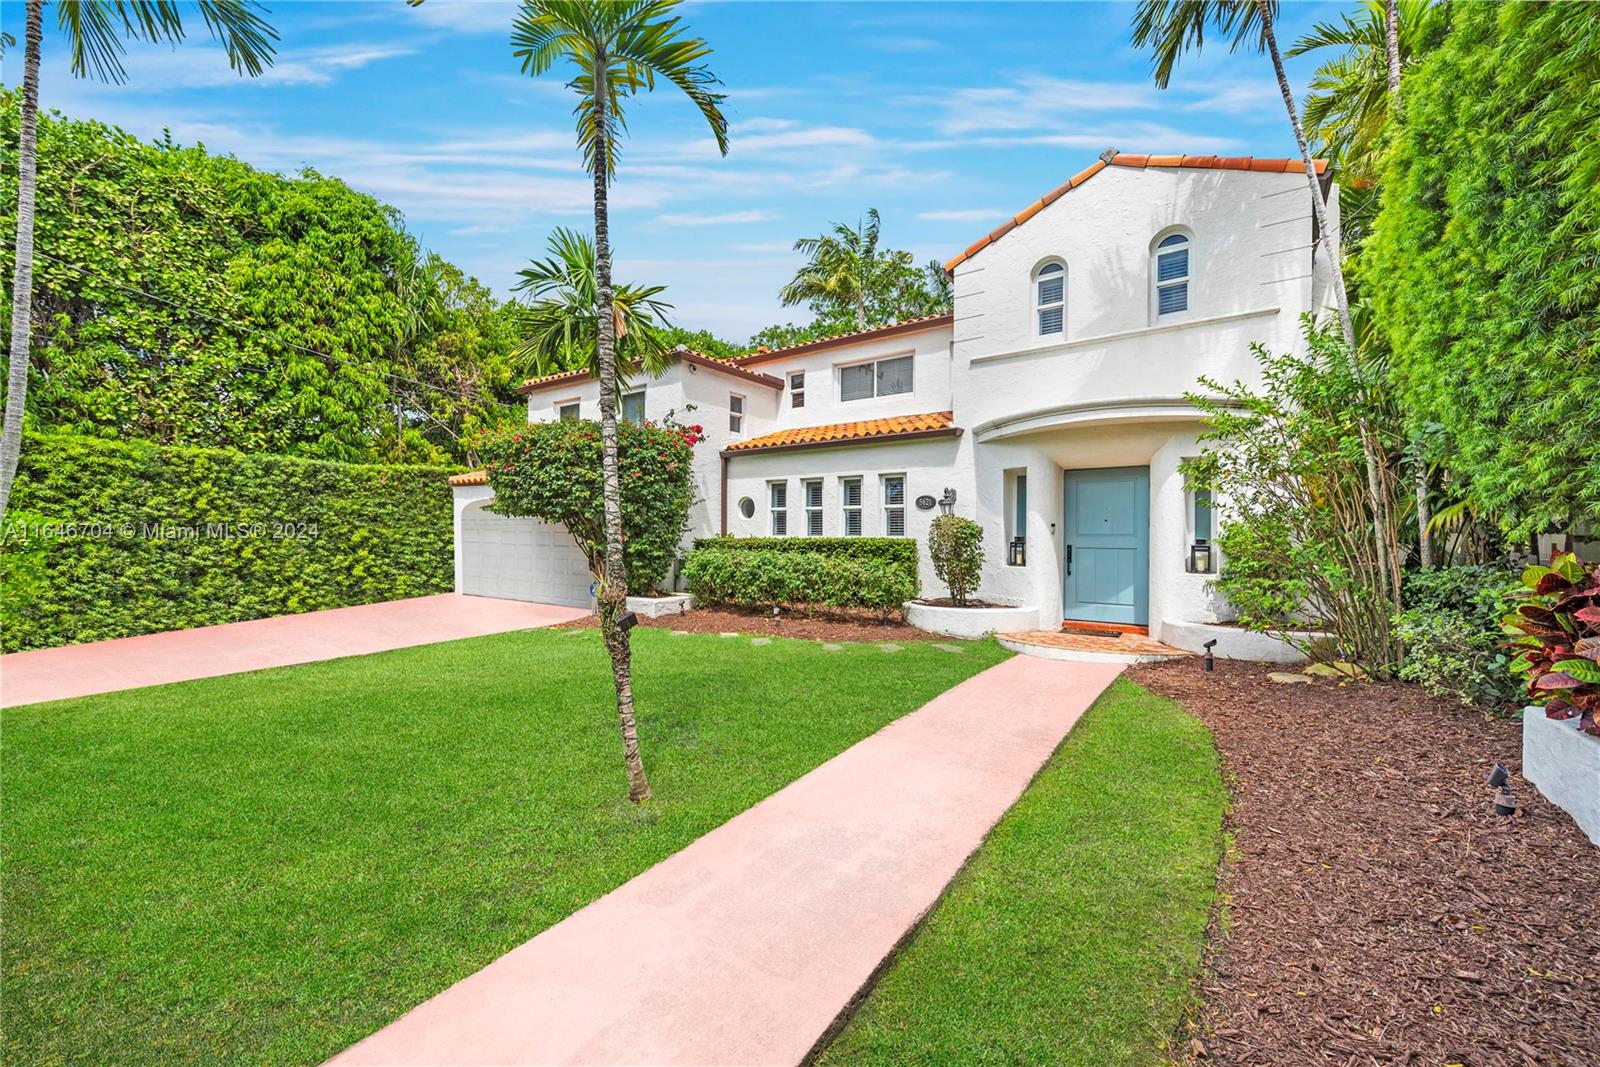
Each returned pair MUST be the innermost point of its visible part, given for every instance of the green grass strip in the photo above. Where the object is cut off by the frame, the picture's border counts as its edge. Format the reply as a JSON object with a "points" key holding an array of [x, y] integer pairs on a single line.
{"points": [[1072, 936], [264, 868]]}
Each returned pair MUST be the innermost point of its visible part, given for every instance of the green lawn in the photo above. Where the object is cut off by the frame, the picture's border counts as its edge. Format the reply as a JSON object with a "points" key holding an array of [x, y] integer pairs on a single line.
{"points": [[1072, 936], [266, 867]]}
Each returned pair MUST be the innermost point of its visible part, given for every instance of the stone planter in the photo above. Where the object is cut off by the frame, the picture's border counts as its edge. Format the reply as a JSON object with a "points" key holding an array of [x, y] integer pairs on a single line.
{"points": [[969, 623], [653, 607], [1564, 762]]}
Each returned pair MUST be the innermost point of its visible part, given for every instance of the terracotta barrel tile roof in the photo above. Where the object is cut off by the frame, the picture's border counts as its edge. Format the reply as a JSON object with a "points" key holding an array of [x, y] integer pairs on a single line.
{"points": [[725, 366], [925, 322], [1126, 159], [470, 478], [933, 424]]}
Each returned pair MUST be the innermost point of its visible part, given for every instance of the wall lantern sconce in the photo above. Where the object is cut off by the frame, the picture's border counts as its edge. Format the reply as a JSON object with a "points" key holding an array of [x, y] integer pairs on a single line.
{"points": [[1200, 558], [1016, 552], [947, 502]]}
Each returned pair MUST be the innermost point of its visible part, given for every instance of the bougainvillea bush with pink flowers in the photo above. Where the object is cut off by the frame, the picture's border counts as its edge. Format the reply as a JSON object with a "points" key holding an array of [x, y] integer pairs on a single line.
{"points": [[1558, 639], [551, 471]]}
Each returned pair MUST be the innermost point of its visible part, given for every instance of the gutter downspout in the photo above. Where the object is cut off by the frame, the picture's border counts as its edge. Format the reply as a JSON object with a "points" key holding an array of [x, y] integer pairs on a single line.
{"points": [[724, 493]]}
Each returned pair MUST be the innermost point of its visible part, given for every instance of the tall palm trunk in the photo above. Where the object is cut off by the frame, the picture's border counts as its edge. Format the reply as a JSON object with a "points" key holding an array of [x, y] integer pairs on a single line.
{"points": [[1388, 571], [22, 276], [1391, 47], [614, 582]]}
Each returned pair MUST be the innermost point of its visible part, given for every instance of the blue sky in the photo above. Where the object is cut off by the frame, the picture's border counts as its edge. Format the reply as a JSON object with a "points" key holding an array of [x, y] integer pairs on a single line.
{"points": [[946, 117]]}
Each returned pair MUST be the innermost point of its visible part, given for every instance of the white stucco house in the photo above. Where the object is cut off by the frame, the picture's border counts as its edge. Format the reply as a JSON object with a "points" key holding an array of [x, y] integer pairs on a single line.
{"points": [[1050, 406]]}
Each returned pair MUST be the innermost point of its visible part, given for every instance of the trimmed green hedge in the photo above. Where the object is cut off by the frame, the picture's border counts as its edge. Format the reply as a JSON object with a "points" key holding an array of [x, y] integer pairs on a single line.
{"points": [[769, 578], [142, 538], [897, 551]]}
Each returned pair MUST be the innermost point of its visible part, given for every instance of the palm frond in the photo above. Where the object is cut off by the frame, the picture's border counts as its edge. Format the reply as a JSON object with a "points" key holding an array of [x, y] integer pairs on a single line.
{"points": [[96, 29]]}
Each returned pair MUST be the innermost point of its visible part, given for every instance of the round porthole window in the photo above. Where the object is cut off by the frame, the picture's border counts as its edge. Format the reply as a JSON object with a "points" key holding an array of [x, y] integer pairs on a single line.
{"points": [[747, 507]]}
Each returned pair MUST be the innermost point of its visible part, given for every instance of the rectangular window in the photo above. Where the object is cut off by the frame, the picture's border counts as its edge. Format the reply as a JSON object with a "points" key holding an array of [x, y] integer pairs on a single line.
{"points": [[886, 377], [894, 505], [1016, 516], [633, 406], [1202, 516], [811, 492], [797, 389], [1172, 281], [568, 412], [856, 383], [778, 498], [735, 413], [850, 502]]}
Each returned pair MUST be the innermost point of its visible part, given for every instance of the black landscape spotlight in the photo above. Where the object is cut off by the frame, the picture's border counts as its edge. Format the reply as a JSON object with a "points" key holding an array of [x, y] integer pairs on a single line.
{"points": [[1500, 779], [1210, 661], [627, 621]]}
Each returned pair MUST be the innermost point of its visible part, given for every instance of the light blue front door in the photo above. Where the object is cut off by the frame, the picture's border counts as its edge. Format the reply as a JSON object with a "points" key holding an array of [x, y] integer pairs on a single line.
{"points": [[1107, 545]]}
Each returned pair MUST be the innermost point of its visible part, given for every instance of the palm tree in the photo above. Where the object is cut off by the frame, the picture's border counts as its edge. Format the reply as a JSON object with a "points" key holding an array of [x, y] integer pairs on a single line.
{"points": [[1169, 28], [1353, 94], [843, 268], [95, 31], [618, 49], [558, 323]]}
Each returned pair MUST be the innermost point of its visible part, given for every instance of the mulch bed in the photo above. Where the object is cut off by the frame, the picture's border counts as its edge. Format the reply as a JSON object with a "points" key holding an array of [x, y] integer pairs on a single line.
{"points": [[1377, 911], [832, 627]]}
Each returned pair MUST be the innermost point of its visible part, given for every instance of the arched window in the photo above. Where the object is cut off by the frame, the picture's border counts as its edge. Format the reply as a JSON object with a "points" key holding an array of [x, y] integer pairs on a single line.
{"points": [[1050, 299], [1170, 274]]}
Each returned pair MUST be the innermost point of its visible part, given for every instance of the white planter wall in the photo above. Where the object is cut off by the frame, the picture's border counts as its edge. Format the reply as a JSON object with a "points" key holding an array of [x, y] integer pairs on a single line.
{"points": [[1564, 762], [970, 623]]}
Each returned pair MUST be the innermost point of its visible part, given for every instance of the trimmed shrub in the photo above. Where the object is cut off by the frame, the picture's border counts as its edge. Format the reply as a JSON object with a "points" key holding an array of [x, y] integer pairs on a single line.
{"points": [[956, 545], [133, 538], [1451, 634], [552, 471], [807, 580], [897, 551]]}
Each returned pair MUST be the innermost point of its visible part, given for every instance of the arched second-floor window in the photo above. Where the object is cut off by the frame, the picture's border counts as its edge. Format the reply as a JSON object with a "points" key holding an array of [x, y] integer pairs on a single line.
{"points": [[1171, 272], [1050, 299]]}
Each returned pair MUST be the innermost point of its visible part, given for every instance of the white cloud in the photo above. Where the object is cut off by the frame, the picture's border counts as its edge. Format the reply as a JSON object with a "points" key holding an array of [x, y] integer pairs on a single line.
{"points": [[981, 214], [467, 16], [727, 218]]}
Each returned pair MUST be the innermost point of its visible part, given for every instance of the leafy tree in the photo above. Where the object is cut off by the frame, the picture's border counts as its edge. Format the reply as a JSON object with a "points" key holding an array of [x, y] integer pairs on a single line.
{"points": [[618, 51], [1284, 464], [1169, 28], [558, 324], [703, 341], [456, 373], [1481, 267], [95, 31], [955, 544], [552, 471], [186, 298]]}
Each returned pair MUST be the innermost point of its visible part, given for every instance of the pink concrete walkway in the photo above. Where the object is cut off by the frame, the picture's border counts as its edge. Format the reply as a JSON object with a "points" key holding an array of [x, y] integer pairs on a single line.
{"points": [[745, 947], [180, 655]]}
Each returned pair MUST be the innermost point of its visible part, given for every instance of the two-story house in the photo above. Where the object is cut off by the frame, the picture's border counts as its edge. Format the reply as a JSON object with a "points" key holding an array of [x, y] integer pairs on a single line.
{"points": [[1051, 406]]}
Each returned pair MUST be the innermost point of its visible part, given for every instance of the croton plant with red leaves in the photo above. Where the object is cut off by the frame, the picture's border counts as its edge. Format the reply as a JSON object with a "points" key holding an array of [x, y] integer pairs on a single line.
{"points": [[1558, 639]]}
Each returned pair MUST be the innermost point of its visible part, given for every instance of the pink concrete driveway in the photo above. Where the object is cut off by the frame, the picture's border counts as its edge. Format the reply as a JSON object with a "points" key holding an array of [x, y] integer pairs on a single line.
{"points": [[180, 655], [745, 947]]}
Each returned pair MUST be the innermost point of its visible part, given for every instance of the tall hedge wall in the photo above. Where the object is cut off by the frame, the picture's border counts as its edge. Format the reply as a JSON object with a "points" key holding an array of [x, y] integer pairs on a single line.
{"points": [[132, 538]]}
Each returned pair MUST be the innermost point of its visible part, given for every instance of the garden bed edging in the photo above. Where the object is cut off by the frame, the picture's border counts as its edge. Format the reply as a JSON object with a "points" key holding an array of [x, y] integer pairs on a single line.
{"points": [[969, 623], [1564, 763]]}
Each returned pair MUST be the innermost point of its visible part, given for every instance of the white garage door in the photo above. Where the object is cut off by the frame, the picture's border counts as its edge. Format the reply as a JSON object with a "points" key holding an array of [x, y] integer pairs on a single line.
{"points": [[521, 559]]}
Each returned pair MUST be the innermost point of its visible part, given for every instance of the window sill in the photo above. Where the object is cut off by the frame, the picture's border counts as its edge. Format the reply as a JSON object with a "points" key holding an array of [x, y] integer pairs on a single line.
{"points": [[1109, 338]]}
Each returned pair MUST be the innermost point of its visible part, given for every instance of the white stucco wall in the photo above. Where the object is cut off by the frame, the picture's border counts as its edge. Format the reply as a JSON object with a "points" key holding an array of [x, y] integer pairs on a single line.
{"points": [[930, 379], [930, 466]]}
